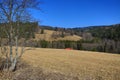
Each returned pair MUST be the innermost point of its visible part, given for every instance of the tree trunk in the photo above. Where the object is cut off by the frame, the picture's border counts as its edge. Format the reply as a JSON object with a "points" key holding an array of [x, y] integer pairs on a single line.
{"points": [[13, 64]]}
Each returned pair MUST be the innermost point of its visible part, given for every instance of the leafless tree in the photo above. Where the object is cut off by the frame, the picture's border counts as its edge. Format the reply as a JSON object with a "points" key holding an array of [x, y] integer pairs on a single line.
{"points": [[87, 36], [12, 13]]}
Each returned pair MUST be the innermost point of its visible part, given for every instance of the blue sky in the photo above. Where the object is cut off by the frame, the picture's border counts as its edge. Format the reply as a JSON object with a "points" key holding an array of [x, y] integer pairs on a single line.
{"points": [[78, 13]]}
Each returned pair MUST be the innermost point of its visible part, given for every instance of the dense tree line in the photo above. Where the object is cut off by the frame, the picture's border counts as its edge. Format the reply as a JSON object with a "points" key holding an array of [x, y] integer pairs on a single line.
{"points": [[61, 44], [102, 46], [26, 30]]}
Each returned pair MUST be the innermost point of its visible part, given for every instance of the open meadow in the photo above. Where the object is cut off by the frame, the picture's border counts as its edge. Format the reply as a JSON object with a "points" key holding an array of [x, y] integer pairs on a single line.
{"points": [[84, 65]]}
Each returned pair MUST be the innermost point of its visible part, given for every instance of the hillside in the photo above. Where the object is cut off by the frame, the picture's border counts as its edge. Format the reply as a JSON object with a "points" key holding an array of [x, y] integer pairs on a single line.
{"points": [[104, 32], [83, 64], [101, 31], [104, 38], [47, 35]]}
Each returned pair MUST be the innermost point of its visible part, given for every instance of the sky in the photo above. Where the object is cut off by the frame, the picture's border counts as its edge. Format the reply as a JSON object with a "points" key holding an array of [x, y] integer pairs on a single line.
{"points": [[78, 13]]}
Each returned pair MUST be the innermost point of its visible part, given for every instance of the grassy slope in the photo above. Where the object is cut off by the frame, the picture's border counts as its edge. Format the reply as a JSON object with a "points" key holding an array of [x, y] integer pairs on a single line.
{"points": [[83, 64], [47, 36]]}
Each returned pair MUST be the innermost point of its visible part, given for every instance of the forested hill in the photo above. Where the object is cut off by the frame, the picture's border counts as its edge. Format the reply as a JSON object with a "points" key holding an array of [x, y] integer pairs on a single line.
{"points": [[111, 32], [94, 38], [104, 32]]}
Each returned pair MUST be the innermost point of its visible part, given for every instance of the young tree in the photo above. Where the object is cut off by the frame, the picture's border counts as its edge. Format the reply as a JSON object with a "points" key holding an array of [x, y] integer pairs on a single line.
{"points": [[42, 31], [12, 14], [62, 34]]}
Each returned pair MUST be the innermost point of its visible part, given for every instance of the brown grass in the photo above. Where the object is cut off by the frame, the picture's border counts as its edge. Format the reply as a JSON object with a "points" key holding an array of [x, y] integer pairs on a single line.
{"points": [[47, 36], [27, 72], [85, 65]]}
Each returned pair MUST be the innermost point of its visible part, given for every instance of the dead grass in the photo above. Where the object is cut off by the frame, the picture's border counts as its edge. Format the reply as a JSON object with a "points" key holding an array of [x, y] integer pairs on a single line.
{"points": [[60, 64], [48, 33], [83, 64], [27, 72]]}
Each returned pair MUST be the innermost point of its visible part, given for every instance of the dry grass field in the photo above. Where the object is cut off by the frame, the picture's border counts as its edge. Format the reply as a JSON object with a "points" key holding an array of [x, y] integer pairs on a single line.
{"points": [[84, 65], [48, 33]]}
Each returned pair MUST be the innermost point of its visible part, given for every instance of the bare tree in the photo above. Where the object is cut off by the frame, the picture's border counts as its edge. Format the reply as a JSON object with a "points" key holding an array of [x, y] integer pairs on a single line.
{"points": [[12, 13], [87, 36]]}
